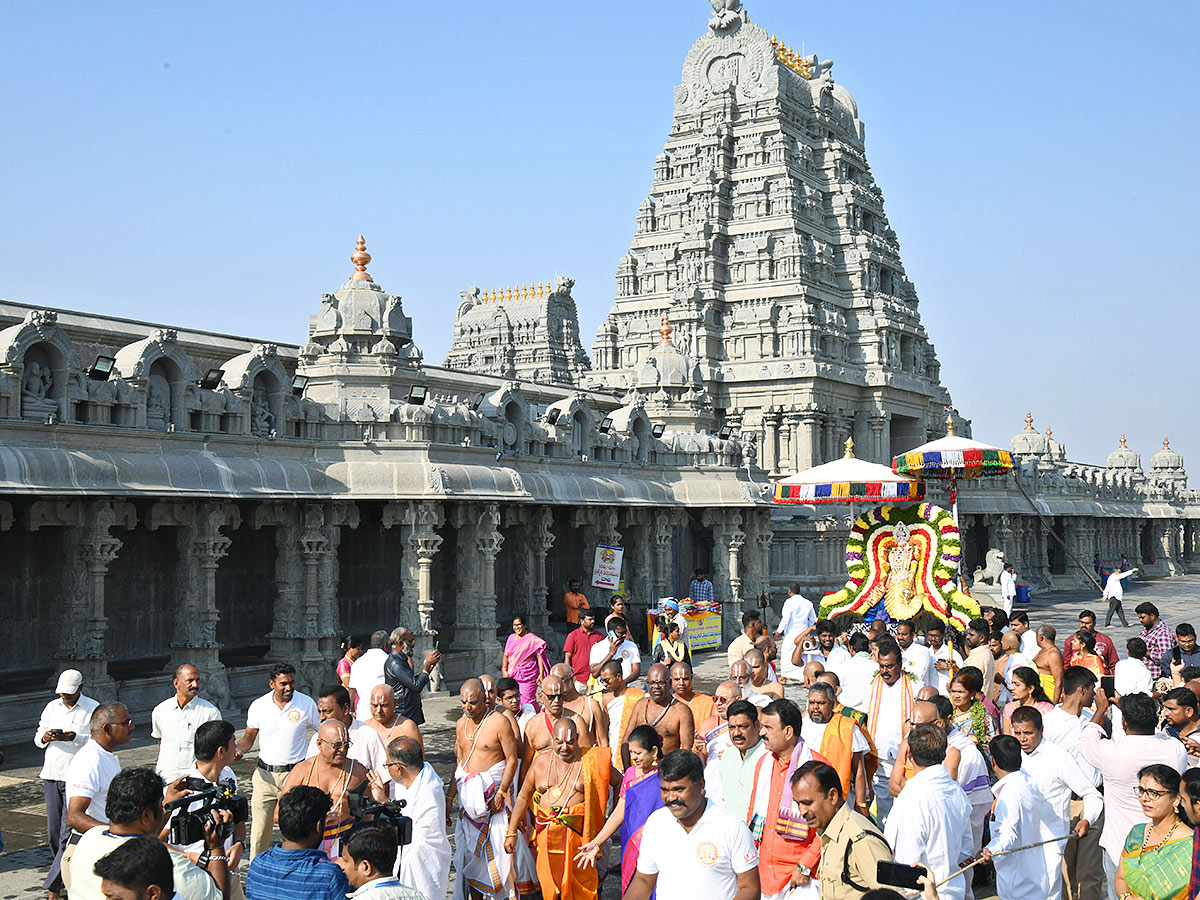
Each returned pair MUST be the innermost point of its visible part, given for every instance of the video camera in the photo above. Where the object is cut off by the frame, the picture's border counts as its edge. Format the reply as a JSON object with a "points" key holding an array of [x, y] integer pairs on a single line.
{"points": [[364, 810], [187, 827]]}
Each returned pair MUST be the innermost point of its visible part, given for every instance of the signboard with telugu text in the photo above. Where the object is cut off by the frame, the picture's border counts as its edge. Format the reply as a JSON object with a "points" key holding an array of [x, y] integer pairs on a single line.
{"points": [[606, 570]]}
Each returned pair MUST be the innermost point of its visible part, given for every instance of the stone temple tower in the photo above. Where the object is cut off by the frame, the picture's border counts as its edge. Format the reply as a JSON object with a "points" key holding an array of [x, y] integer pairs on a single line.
{"points": [[765, 240]]}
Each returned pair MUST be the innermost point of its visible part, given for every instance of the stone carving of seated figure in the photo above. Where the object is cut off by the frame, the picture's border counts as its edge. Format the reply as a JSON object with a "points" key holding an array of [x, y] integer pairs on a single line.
{"points": [[36, 402], [261, 419], [158, 403]]}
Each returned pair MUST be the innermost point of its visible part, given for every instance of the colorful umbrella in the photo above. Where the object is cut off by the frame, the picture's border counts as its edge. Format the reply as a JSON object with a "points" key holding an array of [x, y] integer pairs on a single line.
{"points": [[951, 458], [848, 480]]}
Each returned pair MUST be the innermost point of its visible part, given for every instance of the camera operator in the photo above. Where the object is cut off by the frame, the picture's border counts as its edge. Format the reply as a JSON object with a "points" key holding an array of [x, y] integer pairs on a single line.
{"points": [[424, 863], [134, 808], [215, 751], [368, 856], [298, 868]]}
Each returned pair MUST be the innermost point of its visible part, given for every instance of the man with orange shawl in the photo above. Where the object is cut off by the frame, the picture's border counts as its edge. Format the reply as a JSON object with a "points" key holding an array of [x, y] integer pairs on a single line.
{"points": [[842, 740], [567, 790], [889, 712]]}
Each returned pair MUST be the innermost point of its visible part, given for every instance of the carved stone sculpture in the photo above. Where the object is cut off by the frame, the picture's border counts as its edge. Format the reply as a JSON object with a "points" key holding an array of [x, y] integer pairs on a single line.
{"points": [[36, 385]]}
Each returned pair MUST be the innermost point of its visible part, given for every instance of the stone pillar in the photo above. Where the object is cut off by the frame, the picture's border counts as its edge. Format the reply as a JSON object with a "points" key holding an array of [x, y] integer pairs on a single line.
{"points": [[798, 436], [420, 522], [728, 539], [771, 440], [90, 549], [488, 541], [541, 540], [1005, 538], [880, 445], [201, 547], [663, 535], [808, 448]]}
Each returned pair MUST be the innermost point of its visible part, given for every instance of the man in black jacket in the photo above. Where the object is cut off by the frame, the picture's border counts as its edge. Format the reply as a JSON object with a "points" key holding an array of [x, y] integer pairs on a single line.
{"points": [[398, 674]]}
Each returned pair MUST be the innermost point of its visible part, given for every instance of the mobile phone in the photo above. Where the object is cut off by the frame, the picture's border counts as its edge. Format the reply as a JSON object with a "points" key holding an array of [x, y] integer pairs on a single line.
{"points": [[1108, 684], [57, 732], [612, 635], [897, 875], [1177, 655]]}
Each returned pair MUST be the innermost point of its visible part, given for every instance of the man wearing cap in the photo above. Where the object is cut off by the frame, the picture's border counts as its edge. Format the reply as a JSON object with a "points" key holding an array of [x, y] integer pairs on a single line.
{"points": [[64, 727]]}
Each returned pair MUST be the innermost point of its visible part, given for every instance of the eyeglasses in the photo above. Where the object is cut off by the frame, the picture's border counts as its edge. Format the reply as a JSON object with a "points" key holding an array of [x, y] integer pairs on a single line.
{"points": [[389, 765], [553, 696], [1150, 792], [338, 745]]}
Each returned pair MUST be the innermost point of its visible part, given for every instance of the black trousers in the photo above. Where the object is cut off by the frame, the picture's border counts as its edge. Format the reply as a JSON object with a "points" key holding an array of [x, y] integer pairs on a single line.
{"points": [[1114, 607]]}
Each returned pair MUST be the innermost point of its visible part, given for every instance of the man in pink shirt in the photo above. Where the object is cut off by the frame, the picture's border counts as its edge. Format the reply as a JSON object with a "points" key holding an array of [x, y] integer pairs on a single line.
{"points": [[1119, 761]]}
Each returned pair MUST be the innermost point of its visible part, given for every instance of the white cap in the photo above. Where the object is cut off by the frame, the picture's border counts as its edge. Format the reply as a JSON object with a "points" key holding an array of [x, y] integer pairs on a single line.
{"points": [[69, 682]]}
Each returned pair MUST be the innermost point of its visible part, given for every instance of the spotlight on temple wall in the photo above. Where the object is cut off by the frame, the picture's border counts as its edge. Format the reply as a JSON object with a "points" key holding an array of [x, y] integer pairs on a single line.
{"points": [[417, 394], [658, 429], [725, 433], [299, 383], [552, 416], [212, 379], [606, 426], [102, 368]]}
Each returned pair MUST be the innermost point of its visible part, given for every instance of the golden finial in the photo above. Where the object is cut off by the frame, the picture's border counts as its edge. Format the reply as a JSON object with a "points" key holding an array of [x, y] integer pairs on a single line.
{"points": [[849, 445], [360, 257], [1166, 443], [507, 295], [1123, 447], [1029, 421], [525, 292], [949, 423], [665, 330]]}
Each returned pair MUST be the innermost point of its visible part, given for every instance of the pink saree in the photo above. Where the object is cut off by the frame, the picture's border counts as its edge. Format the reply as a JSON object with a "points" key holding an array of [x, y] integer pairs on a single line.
{"points": [[526, 661]]}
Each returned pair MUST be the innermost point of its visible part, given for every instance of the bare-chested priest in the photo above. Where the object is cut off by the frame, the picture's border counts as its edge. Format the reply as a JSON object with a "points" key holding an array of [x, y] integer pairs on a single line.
{"points": [[586, 710], [337, 775], [387, 721], [681, 686], [539, 730], [567, 792], [665, 713], [487, 764]]}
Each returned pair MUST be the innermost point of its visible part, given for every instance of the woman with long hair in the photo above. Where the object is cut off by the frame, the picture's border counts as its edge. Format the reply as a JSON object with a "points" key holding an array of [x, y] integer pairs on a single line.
{"points": [[1156, 861], [640, 795], [1027, 690]]}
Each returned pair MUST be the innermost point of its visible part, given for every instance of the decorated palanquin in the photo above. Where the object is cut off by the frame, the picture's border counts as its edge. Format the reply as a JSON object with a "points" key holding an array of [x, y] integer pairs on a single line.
{"points": [[903, 564]]}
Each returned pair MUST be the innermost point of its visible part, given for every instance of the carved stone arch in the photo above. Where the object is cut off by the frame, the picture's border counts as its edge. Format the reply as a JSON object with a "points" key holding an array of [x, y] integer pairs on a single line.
{"points": [[39, 339], [145, 365], [259, 380]]}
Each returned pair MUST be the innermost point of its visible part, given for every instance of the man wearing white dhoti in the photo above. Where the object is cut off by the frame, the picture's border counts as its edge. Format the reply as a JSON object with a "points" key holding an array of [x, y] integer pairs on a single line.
{"points": [[424, 863]]}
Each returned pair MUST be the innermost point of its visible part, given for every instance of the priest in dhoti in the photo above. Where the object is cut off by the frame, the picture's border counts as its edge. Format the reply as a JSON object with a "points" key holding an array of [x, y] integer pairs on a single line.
{"points": [[567, 791]]}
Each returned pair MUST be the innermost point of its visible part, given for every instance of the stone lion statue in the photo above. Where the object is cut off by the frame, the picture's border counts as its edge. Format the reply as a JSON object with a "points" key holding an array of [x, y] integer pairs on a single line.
{"points": [[990, 574]]}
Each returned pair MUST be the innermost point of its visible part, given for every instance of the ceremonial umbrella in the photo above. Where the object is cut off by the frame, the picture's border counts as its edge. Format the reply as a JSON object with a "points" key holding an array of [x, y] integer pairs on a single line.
{"points": [[951, 458], [848, 480]]}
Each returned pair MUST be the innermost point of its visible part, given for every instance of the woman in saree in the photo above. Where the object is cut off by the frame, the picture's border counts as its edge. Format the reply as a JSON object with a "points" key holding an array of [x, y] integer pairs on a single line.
{"points": [[1086, 655], [971, 715], [352, 649], [1156, 861], [671, 647], [524, 660], [1027, 690], [639, 796]]}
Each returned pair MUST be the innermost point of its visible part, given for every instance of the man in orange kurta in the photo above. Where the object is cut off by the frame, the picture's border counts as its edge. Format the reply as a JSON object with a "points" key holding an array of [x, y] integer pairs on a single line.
{"points": [[567, 790], [574, 600]]}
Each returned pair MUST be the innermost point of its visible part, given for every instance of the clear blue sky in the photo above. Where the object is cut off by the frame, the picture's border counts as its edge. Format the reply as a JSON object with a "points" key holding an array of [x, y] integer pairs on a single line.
{"points": [[210, 165]]}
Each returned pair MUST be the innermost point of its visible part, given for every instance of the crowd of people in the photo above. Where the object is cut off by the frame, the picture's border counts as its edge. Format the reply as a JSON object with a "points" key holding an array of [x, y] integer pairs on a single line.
{"points": [[831, 760]]}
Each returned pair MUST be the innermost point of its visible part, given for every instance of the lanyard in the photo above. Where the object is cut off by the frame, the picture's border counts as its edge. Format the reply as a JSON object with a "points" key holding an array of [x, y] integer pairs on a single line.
{"points": [[378, 883]]}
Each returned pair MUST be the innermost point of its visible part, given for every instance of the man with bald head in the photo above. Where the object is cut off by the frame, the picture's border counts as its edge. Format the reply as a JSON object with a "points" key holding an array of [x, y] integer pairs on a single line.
{"points": [[760, 675], [681, 687], [386, 719], [712, 735], [539, 730], [486, 752], [334, 772], [585, 709], [666, 714], [366, 744], [567, 791], [175, 720], [740, 674], [924, 712]]}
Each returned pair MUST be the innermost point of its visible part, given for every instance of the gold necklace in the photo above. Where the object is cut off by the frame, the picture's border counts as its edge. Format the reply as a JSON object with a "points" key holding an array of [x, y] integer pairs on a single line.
{"points": [[561, 787]]}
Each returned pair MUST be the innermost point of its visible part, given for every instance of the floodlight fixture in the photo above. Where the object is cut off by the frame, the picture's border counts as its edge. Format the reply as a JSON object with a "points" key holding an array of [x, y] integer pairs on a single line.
{"points": [[212, 379], [102, 368], [552, 415], [725, 433], [658, 429], [417, 394], [605, 426], [477, 402], [299, 383]]}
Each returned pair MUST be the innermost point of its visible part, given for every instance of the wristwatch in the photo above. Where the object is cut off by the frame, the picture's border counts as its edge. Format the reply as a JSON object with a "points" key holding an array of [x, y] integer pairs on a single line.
{"points": [[203, 859]]}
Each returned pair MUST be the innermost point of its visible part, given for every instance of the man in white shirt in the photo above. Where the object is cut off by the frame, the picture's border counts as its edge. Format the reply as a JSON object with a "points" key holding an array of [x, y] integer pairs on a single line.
{"points": [[1008, 588], [367, 671], [970, 769], [796, 623], [65, 726], [425, 863], [1057, 775], [693, 848], [1021, 816], [944, 655], [828, 652], [175, 720], [930, 822], [1019, 623], [283, 718], [366, 745], [1119, 763], [88, 776], [1132, 675], [857, 673], [1011, 659], [617, 646], [369, 856], [1114, 593], [918, 659]]}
